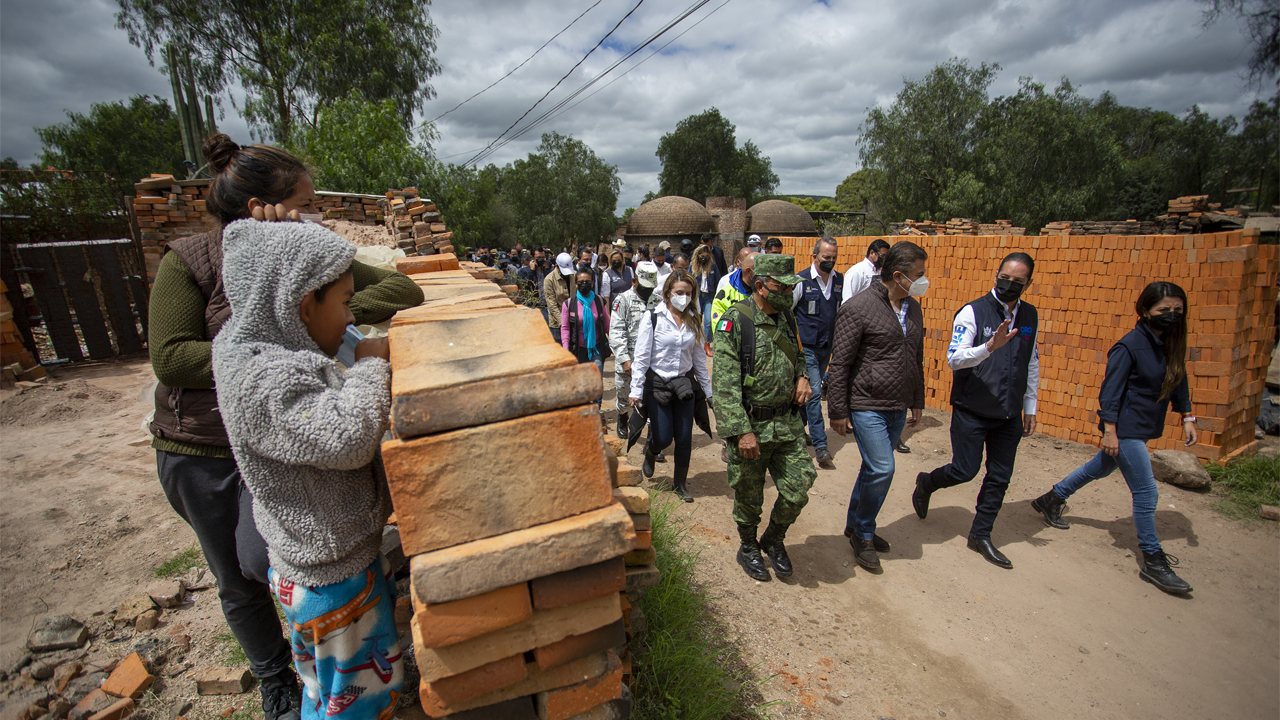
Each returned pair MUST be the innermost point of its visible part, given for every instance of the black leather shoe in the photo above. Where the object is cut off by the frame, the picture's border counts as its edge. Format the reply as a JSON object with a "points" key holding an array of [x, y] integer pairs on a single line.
{"points": [[661, 458], [1157, 570], [920, 498], [902, 448], [865, 553], [878, 543], [983, 547], [622, 425], [647, 467], [823, 456], [1052, 507], [752, 562]]}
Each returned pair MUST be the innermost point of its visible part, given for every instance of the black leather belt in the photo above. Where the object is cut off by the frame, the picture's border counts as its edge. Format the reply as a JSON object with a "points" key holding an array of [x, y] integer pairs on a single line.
{"points": [[760, 412]]}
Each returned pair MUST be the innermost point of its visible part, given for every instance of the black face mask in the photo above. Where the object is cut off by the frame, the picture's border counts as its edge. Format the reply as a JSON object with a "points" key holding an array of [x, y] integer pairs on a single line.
{"points": [[1165, 322], [584, 288], [542, 262], [827, 266], [876, 263], [617, 264], [644, 292], [1008, 290]]}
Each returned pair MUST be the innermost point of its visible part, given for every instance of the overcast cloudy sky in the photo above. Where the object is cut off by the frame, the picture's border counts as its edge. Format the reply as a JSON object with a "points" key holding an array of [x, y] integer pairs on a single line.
{"points": [[796, 78]]}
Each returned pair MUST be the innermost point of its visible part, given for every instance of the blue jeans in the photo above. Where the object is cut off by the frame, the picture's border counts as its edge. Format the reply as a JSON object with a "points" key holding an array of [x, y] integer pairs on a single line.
{"points": [[877, 432], [671, 423], [815, 362], [1135, 465], [706, 319], [599, 366]]}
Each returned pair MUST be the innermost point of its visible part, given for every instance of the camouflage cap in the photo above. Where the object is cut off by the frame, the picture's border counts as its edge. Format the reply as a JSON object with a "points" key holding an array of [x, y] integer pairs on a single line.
{"points": [[779, 267]]}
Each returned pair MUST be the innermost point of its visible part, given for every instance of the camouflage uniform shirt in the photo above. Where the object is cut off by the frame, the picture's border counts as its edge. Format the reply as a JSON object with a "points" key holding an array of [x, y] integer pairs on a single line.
{"points": [[775, 378]]}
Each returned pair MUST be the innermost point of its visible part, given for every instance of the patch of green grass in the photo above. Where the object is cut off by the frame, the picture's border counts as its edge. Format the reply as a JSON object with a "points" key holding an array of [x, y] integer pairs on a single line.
{"points": [[688, 664], [232, 653], [179, 564], [1244, 484]]}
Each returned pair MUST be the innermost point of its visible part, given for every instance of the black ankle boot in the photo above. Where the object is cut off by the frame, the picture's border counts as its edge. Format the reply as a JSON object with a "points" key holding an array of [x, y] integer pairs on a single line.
{"points": [[1052, 507], [622, 425], [920, 498], [680, 484], [771, 545], [749, 554], [1157, 570], [647, 467]]}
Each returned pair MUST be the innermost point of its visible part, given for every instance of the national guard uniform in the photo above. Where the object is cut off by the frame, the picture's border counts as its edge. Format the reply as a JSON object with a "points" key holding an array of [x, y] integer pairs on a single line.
{"points": [[761, 403]]}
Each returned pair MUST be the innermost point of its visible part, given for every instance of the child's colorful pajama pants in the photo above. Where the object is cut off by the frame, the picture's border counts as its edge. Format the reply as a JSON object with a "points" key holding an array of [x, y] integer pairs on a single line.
{"points": [[344, 643]]}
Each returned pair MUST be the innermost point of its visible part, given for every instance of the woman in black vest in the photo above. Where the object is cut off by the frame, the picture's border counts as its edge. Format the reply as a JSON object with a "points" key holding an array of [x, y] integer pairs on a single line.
{"points": [[618, 276], [1145, 371], [193, 455], [668, 370]]}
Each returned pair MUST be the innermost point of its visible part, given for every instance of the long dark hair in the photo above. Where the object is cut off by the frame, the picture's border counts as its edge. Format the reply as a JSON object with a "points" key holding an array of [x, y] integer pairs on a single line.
{"points": [[1175, 339], [244, 173], [690, 314]]}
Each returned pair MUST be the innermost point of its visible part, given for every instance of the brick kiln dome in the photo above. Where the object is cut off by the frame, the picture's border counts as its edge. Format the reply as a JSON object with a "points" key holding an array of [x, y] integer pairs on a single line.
{"points": [[779, 217], [670, 215]]}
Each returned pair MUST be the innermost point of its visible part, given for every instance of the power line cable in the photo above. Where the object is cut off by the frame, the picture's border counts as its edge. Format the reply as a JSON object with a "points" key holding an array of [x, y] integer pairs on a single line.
{"points": [[526, 60], [646, 58], [562, 79], [502, 141]]}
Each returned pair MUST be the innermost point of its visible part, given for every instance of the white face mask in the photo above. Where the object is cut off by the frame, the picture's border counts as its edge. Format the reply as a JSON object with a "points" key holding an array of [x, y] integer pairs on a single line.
{"points": [[919, 287], [680, 302]]}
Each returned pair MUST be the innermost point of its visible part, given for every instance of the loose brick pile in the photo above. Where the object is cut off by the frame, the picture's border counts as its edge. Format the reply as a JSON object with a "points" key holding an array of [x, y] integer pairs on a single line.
{"points": [[519, 522], [416, 224], [955, 226], [16, 361], [1085, 288], [165, 209]]}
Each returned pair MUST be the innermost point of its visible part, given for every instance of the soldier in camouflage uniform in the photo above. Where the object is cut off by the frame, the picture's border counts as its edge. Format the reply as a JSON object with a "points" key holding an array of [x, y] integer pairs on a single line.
{"points": [[759, 416]]}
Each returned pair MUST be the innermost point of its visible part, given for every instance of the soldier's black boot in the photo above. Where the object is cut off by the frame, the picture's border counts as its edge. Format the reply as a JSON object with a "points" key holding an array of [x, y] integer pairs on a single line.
{"points": [[622, 425], [771, 545], [1051, 506], [647, 467], [1157, 571], [749, 554], [679, 484]]}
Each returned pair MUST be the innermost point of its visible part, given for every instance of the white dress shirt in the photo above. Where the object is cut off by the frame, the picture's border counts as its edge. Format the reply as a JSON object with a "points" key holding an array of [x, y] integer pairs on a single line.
{"points": [[966, 350], [663, 271], [825, 287], [667, 349], [858, 278]]}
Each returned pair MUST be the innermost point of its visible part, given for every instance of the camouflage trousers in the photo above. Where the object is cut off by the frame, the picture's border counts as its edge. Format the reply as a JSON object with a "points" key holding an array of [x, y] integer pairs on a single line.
{"points": [[622, 384], [793, 474]]}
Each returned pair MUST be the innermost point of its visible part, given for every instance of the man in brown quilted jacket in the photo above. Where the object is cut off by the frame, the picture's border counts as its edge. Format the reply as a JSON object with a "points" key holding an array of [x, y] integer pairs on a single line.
{"points": [[876, 375]]}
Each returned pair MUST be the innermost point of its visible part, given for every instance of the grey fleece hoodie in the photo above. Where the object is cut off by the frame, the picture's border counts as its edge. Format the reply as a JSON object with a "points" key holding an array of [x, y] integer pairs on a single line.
{"points": [[304, 435]]}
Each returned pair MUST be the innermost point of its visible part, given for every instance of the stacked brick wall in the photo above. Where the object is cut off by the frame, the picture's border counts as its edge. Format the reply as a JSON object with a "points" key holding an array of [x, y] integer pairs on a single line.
{"points": [[166, 209], [527, 538], [416, 223], [1085, 288], [362, 209]]}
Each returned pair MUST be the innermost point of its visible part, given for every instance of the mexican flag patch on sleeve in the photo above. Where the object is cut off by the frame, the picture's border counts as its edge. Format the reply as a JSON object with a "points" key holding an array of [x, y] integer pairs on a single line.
{"points": [[725, 325]]}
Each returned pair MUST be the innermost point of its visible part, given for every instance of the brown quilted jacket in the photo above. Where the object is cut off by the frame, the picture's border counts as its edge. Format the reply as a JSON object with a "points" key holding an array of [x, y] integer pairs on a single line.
{"points": [[873, 366]]}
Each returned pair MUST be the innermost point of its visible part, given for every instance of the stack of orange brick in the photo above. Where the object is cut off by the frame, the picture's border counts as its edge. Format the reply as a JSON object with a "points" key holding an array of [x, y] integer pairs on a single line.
{"points": [[1085, 287], [507, 503], [166, 209], [362, 209], [16, 360], [1000, 227], [416, 223]]}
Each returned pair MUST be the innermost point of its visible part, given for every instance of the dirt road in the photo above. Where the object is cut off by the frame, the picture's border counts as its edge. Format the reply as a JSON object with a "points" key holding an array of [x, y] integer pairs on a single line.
{"points": [[1069, 632]]}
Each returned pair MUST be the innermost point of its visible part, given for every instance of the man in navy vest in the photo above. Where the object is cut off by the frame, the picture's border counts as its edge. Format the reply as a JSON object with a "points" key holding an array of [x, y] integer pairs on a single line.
{"points": [[993, 398], [817, 298]]}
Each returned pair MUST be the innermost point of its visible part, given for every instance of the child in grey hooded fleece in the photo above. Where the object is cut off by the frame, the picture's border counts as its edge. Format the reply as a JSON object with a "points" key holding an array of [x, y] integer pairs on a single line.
{"points": [[306, 439]]}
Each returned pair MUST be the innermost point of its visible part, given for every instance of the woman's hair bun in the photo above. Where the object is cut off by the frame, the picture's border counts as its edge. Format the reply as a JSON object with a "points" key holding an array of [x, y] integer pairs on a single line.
{"points": [[219, 150]]}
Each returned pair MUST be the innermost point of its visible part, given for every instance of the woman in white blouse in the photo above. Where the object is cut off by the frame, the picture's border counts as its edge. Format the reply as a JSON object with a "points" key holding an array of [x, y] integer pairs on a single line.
{"points": [[668, 372]]}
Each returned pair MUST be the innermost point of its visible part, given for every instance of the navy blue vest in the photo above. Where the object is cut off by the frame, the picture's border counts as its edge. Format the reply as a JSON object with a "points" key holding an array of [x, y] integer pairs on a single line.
{"points": [[818, 327], [995, 387]]}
